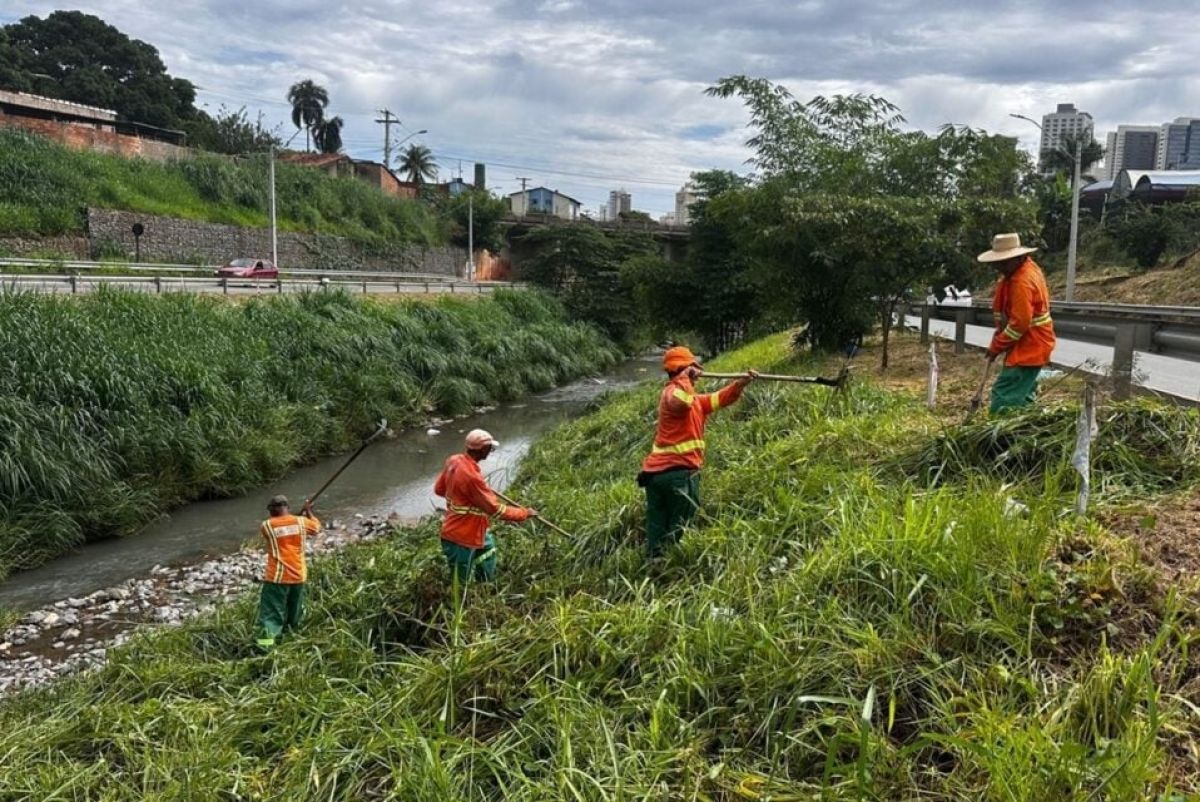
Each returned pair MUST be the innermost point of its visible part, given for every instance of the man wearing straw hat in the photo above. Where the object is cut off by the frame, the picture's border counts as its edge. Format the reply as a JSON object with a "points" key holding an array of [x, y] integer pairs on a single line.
{"points": [[671, 472], [1024, 329], [471, 506]]}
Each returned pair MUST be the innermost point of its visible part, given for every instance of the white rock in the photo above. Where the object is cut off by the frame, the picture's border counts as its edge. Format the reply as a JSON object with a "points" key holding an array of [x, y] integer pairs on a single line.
{"points": [[70, 634], [76, 603], [119, 593], [433, 432], [36, 617], [57, 644], [50, 620]]}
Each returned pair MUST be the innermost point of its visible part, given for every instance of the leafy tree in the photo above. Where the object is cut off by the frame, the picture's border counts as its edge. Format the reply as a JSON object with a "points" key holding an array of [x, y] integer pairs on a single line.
{"points": [[231, 132], [308, 107], [635, 215], [488, 211], [79, 57], [327, 135], [583, 266], [417, 164]]}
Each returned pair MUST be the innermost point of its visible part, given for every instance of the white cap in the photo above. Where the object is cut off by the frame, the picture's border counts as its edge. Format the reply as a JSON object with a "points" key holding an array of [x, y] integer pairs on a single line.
{"points": [[479, 438]]}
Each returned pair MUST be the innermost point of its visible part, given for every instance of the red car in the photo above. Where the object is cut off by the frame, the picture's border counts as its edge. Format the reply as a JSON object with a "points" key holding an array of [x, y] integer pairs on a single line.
{"points": [[248, 268]]}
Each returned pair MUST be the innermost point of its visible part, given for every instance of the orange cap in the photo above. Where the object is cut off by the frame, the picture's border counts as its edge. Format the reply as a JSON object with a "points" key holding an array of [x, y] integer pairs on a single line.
{"points": [[678, 358]]}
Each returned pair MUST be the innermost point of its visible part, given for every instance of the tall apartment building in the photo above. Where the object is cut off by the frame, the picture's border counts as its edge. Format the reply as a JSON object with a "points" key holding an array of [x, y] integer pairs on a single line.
{"points": [[1131, 147], [1179, 145], [684, 198], [1065, 121], [619, 201]]}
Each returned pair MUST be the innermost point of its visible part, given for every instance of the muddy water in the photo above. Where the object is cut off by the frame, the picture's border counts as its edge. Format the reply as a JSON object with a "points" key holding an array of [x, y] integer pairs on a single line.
{"points": [[394, 475]]}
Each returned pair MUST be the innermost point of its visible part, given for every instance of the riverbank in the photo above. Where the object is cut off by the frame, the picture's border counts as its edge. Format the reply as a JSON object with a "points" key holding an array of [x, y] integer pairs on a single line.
{"points": [[119, 406], [841, 620]]}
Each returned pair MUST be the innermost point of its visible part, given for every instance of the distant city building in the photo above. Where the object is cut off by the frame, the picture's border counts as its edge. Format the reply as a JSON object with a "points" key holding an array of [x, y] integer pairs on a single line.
{"points": [[456, 186], [684, 198], [1130, 147], [1179, 145], [619, 201], [541, 200], [668, 219], [1065, 121]]}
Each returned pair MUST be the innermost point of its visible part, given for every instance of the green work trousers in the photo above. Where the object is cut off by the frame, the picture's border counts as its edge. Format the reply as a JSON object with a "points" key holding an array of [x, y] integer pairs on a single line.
{"points": [[1015, 387], [280, 609], [471, 565], [672, 498]]}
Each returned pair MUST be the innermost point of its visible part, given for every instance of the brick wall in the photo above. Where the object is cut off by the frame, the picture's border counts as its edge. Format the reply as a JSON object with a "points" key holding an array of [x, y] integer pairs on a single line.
{"points": [[67, 246], [101, 140], [171, 240]]}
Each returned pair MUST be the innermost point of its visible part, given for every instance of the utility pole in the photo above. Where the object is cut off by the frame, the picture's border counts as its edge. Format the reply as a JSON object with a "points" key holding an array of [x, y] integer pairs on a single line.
{"points": [[470, 237], [274, 230], [387, 122], [524, 197], [1072, 251]]}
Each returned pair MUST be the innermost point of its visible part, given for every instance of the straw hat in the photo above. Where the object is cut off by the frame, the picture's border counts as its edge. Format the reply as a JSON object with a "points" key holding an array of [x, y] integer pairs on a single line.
{"points": [[1005, 246]]}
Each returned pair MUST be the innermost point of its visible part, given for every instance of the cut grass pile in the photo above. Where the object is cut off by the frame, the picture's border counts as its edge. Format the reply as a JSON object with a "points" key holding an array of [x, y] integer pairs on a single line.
{"points": [[46, 187], [118, 406], [829, 629]]}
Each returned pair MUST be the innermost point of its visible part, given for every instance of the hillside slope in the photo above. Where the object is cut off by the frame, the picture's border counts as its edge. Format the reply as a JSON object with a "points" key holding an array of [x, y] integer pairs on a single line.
{"points": [[46, 186], [835, 626]]}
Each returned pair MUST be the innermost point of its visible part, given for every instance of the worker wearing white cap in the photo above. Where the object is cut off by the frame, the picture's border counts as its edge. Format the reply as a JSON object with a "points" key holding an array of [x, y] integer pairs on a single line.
{"points": [[470, 507]]}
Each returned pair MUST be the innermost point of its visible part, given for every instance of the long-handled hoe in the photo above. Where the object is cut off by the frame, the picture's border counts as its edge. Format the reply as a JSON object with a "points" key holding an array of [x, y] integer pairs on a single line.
{"points": [[977, 399], [839, 382], [538, 517], [380, 429]]}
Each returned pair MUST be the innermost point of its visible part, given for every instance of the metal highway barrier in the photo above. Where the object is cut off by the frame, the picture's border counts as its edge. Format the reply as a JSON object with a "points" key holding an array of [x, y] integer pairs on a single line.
{"points": [[1170, 331], [372, 283]]}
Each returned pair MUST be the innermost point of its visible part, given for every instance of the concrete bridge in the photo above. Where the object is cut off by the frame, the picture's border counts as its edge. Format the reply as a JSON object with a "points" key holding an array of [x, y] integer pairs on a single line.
{"points": [[672, 240]]}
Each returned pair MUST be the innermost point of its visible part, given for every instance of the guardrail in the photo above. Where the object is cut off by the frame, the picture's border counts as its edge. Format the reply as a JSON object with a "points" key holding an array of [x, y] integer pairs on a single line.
{"points": [[1171, 331], [74, 284], [68, 265]]}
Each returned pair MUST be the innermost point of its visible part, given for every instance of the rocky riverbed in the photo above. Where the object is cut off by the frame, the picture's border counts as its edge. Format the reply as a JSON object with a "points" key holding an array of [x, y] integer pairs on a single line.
{"points": [[76, 634]]}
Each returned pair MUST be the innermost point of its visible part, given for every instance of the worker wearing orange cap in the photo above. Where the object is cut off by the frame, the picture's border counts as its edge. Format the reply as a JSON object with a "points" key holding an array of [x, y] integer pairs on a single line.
{"points": [[671, 473], [470, 507]]}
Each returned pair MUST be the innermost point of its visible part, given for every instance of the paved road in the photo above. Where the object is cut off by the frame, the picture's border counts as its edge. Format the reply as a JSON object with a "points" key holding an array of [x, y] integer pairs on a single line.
{"points": [[62, 285], [1175, 377]]}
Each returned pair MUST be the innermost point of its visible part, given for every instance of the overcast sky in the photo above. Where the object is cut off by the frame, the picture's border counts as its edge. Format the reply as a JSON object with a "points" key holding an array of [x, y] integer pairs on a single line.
{"points": [[587, 96]]}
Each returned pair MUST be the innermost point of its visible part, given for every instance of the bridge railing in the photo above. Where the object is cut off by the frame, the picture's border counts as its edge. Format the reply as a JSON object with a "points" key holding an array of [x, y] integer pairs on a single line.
{"points": [[376, 285], [88, 266]]}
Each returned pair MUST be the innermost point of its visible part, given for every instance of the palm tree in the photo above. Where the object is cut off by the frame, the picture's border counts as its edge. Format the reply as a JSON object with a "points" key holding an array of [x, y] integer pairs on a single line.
{"points": [[1063, 159], [417, 164], [308, 106], [327, 135]]}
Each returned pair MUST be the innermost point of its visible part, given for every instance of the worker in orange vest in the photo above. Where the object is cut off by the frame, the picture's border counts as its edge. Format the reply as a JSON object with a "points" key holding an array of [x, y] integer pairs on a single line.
{"points": [[671, 472], [281, 602], [471, 506], [1024, 329]]}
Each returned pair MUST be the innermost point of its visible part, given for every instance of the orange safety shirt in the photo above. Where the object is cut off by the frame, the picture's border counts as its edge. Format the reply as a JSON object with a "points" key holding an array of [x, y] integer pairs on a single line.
{"points": [[682, 414], [284, 536], [1021, 310], [470, 503]]}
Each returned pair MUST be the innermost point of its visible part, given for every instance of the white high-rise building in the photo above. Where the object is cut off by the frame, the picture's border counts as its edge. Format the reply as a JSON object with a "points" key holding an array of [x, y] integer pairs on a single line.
{"points": [[1065, 121], [1130, 147], [1178, 144], [684, 198], [619, 201]]}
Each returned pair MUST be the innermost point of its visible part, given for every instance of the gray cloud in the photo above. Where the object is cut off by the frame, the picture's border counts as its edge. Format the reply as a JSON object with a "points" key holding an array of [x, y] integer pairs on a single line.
{"points": [[614, 88]]}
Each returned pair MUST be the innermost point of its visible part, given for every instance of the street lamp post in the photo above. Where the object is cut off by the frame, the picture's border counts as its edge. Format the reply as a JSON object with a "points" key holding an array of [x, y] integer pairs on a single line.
{"points": [[410, 136], [1076, 188]]}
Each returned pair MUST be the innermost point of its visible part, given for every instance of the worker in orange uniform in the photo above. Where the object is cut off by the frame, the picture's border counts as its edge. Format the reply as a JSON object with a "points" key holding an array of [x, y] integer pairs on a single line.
{"points": [[1024, 329], [471, 506], [671, 473], [281, 602]]}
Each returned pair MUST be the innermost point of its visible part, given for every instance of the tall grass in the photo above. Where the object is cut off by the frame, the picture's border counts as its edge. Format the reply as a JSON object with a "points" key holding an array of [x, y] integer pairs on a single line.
{"points": [[46, 188], [830, 629], [116, 406]]}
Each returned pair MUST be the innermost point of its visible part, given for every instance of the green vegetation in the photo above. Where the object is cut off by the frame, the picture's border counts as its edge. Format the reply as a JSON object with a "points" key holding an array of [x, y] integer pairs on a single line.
{"points": [[830, 629], [47, 187], [118, 406], [847, 216]]}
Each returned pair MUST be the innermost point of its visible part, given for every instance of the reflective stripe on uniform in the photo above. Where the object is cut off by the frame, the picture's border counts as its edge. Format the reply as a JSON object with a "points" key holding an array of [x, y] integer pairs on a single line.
{"points": [[1011, 333], [679, 448], [1042, 320], [683, 395], [715, 400], [468, 510]]}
